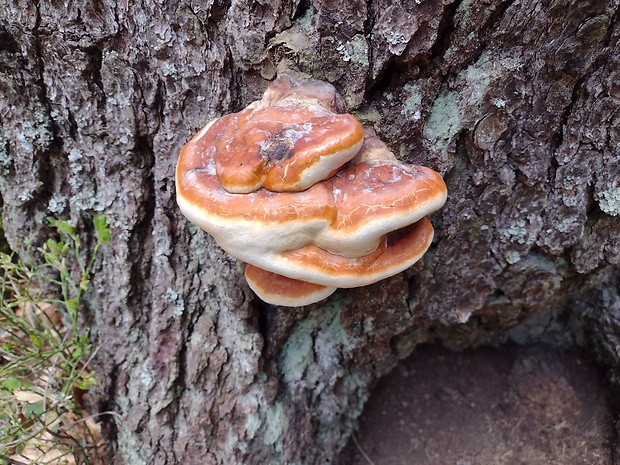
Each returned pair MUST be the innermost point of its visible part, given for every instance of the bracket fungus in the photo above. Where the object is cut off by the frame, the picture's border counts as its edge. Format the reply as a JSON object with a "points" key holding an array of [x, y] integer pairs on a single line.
{"points": [[305, 196]]}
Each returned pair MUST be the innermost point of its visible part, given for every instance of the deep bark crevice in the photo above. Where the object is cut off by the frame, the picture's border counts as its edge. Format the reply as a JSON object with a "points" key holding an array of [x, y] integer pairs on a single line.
{"points": [[444, 31], [7, 41]]}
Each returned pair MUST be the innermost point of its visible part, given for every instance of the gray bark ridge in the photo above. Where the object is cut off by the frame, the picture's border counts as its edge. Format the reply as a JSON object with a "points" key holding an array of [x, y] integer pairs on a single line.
{"points": [[516, 104]]}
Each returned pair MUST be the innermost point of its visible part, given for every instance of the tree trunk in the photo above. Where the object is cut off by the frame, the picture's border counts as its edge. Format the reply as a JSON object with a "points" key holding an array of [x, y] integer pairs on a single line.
{"points": [[515, 103]]}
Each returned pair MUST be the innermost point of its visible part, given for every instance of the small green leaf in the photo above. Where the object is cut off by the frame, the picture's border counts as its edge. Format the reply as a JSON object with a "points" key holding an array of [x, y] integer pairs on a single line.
{"points": [[37, 341], [12, 383], [86, 383], [53, 246], [83, 384], [77, 353], [51, 258], [101, 226], [72, 304], [33, 410], [51, 220], [84, 282], [8, 347], [65, 227]]}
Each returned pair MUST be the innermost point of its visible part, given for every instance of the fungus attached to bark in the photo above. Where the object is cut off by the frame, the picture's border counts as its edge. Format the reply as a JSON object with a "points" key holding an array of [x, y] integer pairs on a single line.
{"points": [[287, 187]]}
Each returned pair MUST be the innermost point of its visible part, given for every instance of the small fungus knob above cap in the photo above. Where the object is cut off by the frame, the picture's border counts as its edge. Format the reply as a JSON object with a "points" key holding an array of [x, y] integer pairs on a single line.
{"points": [[288, 85]]}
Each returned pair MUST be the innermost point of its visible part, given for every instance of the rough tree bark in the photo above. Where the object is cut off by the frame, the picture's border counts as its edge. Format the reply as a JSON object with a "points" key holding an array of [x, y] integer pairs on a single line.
{"points": [[516, 103]]}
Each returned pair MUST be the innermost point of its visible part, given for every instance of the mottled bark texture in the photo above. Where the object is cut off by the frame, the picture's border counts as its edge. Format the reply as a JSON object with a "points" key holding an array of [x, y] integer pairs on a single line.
{"points": [[515, 102]]}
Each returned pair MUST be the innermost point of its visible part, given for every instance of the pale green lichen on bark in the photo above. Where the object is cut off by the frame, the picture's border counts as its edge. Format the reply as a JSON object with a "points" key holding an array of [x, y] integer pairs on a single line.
{"points": [[413, 101], [479, 76], [275, 421], [36, 134], [311, 362], [297, 352], [453, 110], [313, 339], [444, 119], [609, 201], [355, 50], [6, 160], [128, 447]]}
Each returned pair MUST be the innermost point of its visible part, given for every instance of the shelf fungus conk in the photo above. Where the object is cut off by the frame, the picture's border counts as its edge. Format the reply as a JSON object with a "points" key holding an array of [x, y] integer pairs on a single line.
{"points": [[309, 200]]}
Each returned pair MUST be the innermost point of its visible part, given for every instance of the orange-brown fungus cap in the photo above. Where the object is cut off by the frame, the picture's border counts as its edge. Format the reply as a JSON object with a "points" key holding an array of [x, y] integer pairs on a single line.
{"points": [[276, 289], [281, 148], [397, 251], [374, 198], [286, 142]]}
